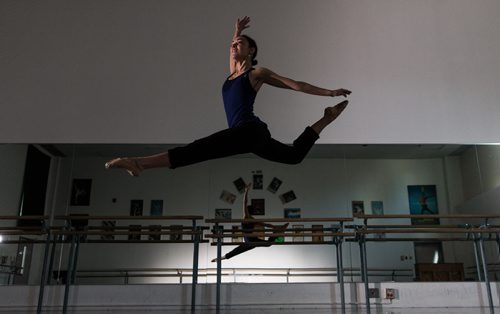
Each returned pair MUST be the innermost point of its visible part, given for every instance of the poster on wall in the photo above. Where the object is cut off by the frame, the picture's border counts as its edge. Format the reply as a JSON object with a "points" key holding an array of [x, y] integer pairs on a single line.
{"points": [[274, 185], [287, 197], [423, 201], [223, 213], [80, 192], [257, 206], [136, 207], [377, 207], [156, 207], [240, 185], [227, 197], [292, 212], [358, 208], [258, 180]]}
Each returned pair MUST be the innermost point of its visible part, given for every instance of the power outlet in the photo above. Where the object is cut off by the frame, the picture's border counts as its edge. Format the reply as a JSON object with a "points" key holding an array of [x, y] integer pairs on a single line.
{"points": [[390, 294]]}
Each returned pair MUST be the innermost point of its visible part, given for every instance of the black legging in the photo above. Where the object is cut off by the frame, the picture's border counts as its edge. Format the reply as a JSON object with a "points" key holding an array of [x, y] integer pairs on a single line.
{"points": [[252, 137], [247, 246]]}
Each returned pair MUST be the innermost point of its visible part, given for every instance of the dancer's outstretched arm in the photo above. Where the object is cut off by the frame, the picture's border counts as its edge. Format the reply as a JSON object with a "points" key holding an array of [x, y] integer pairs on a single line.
{"points": [[238, 29], [267, 76], [246, 213]]}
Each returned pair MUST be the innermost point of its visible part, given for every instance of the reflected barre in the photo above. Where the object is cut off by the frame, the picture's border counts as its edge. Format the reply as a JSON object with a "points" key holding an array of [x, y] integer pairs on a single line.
{"points": [[336, 233], [332, 231], [74, 229], [471, 231]]}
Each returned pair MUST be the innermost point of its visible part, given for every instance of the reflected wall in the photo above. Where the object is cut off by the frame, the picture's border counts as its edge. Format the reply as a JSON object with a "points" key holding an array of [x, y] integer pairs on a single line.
{"points": [[334, 181]]}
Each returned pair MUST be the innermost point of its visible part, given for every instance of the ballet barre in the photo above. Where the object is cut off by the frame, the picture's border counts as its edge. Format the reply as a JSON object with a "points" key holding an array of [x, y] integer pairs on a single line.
{"points": [[470, 231], [337, 234]]}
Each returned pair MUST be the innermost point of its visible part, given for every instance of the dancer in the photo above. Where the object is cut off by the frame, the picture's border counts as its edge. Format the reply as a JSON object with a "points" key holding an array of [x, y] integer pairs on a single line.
{"points": [[252, 242], [246, 132]]}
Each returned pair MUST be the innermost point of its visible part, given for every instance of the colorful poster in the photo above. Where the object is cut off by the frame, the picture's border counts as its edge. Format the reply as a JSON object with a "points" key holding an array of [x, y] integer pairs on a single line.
{"points": [[377, 207], [292, 213], [423, 201]]}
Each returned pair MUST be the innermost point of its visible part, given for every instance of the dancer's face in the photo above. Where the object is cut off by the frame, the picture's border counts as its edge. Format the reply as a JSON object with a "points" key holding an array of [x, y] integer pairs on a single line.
{"points": [[240, 49]]}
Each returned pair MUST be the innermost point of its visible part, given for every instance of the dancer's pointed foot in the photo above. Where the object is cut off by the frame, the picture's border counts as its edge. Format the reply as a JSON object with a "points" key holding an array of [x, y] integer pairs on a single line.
{"points": [[284, 226], [281, 227], [331, 113], [215, 259], [131, 165]]}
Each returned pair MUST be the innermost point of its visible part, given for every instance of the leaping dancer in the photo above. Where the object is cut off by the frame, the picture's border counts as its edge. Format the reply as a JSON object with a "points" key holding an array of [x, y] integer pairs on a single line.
{"points": [[246, 132], [252, 242]]}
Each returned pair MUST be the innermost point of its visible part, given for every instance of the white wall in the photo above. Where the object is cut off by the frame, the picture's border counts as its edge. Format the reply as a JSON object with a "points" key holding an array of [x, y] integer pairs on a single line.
{"points": [[151, 71], [324, 188]]}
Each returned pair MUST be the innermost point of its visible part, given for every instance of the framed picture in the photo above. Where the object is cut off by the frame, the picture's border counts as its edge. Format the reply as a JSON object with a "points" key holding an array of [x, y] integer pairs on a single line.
{"points": [[108, 226], [80, 192], [156, 207], [292, 213], [377, 207], [274, 185], [136, 207], [240, 185], [358, 208], [257, 206], [287, 197], [223, 213], [227, 197], [258, 180], [423, 201]]}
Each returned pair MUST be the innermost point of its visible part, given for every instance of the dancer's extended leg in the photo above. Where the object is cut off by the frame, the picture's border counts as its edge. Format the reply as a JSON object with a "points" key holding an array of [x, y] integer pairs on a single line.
{"points": [[135, 165], [224, 143], [331, 113], [274, 150], [236, 251]]}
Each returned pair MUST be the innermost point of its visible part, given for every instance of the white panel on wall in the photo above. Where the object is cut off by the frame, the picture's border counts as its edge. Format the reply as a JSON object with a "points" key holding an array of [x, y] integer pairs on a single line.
{"points": [[151, 72]]}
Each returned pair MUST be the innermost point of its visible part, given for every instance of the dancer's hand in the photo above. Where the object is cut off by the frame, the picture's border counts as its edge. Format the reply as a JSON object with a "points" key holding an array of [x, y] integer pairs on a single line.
{"points": [[242, 24], [248, 186], [340, 92]]}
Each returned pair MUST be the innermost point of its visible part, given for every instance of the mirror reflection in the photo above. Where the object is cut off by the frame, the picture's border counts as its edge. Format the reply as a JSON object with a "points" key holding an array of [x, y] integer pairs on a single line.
{"points": [[114, 214]]}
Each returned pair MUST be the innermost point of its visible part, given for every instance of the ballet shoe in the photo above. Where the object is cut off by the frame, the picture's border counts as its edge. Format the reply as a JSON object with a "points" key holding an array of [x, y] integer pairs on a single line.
{"points": [[129, 164], [333, 112]]}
